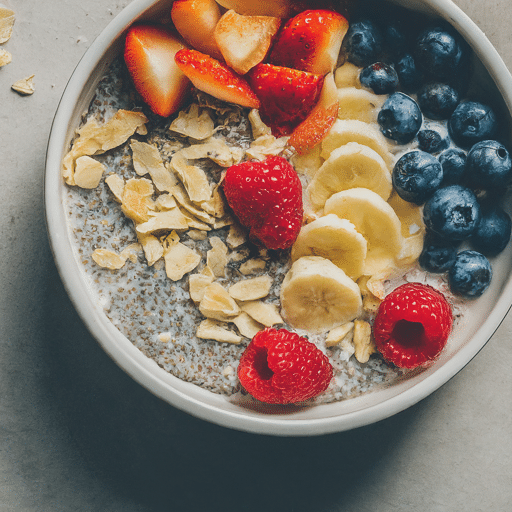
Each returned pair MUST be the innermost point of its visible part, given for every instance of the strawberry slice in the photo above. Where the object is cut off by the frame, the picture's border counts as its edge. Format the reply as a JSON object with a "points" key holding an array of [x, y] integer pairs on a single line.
{"points": [[317, 125], [310, 41], [214, 78], [287, 95], [149, 55]]}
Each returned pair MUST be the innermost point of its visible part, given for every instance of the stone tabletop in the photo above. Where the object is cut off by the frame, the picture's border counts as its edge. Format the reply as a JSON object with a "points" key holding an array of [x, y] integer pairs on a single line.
{"points": [[77, 434]]}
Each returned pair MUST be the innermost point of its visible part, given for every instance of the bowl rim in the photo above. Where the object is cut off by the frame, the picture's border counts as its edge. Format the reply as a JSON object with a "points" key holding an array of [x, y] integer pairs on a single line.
{"points": [[184, 395]]}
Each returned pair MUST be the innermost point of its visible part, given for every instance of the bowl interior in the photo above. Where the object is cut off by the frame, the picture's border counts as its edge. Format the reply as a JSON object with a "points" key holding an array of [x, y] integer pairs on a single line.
{"points": [[492, 82]]}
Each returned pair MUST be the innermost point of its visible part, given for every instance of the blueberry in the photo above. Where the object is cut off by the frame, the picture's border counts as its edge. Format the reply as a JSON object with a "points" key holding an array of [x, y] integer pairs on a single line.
{"points": [[400, 118], [409, 76], [363, 43], [438, 255], [437, 100], [395, 41], [470, 275], [379, 77], [416, 176], [492, 232], [440, 53], [488, 165], [472, 122], [452, 212], [453, 161], [432, 140]]}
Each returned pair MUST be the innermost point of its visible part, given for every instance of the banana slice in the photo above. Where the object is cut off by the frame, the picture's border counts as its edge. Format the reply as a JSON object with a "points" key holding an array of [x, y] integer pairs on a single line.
{"points": [[347, 75], [316, 295], [350, 166], [375, 219], [344, 131], [334, 239], [359, 104]]}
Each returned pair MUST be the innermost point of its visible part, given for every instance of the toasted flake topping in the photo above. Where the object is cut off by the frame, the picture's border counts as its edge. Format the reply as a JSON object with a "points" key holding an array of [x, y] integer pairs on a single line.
{"points": [[217, 256], [179, 259], [5, 57], [263, 312], [247, 326], [197, 284], [161, 222], [116, 185], [213, 330], [266, 145], [7, 19], [363, 342], [88, 172], [251, 289], [25, 86], [109, 259], [193, 178], [218, 304], [341, 335], [216, 150], [153, 249], [198, 126]]}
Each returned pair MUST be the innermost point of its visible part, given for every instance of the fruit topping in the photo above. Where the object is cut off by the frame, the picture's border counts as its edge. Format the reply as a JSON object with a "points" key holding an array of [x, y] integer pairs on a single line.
{"points": [[245, 40], [453, 161], [416, 176], [310, 41], [148, 53], [278, 8], [363, 43], [492, 232], [433, 140], [412, 325], [437, 100], [215, 78], [488, 165], [452, 212], [286, 95], [409, 75], [438, 255], [196, 20], [400, 118], [267, 198], [316, 295], [280, 367], [472, 122], [470, 275], [381, 78]]}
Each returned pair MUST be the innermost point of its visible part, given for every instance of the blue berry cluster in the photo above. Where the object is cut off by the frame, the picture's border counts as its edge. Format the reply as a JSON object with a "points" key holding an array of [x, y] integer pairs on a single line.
{"points": [[458, 164]]}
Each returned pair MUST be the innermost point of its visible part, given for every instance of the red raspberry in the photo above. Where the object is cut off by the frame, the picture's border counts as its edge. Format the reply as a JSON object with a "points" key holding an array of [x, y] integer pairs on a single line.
{"points": [[280, 367], [267, 198], [412, 325]]}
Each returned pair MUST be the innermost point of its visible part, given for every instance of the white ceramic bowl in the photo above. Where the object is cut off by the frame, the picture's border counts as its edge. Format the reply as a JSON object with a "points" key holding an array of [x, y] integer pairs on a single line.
{"points": [[486, 313]]}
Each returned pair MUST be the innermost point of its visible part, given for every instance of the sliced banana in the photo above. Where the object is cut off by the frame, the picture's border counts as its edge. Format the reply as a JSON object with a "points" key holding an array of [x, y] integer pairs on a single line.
{"points": [[359, 104], [347, 75], [334, 239], [344, 131], [316, 295], [375, 219], [350, 166]]}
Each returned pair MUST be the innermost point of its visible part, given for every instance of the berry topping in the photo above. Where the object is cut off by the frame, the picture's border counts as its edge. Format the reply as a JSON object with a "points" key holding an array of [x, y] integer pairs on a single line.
{"points": [[267, 198], [452, 212], [412, 325], [438, 255], [488, 165], [472, 122], [433, 140], [470, 275], [380, 78], [310, 41], [280, 367], [438, 101], [400, 118], [287, 95], [363, 43], [215, 78], [453, 161], [492, 233], [409, 75], [416, 176]]}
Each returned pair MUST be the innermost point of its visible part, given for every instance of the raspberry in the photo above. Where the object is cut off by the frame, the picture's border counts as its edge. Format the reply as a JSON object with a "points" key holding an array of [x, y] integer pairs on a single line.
{"points": [[280, 367], [412, 325], [267, 198]]}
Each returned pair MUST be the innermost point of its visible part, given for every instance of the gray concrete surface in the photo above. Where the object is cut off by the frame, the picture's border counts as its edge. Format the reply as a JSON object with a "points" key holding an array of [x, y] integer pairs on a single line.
{"points": [[77, 434]]}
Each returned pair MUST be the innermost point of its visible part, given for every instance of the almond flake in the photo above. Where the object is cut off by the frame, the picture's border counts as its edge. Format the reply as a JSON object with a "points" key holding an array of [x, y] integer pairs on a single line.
{"points": [[217, 258], [181, 197], [7, 20], [197, 284], [197, 235], [218, 304], [216, 150], [193, 178], [195, 223], [116, 185], [130, 252], [192, 124], [25, 86], [88, 172], [159, 222], [247, 326], [179, 260], [251, 289], [94, 139], [363, 342], [212, 330], [237, 236], [251, 266], [266, 145], [108, 259], [153, 249], [136, 199], [343, 333], [147, 159], [263, 312], [5, 57], [165, 202]]}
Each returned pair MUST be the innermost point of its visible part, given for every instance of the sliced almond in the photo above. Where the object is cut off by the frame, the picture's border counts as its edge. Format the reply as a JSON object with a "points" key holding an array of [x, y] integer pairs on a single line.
{"points": [[251, 289], [25, 86], [160, 222], [179, 259], [135, 202], [180, 194], [343, 333], [108, 259], [212, 330], [153, 249], [193, 178], [237, 236], [198, 126], [263, 312], [363, 342], [247, 326], [116, 185], [197, 284], [165, 202], [217, 256], [130, 252], [251, 266], [218, 304], [245, 40], [88, 172]]}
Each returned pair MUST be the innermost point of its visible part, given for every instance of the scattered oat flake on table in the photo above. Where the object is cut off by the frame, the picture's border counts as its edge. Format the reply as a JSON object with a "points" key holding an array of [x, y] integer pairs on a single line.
{"points": [[25, 86], [7, 19], [5, 57]]}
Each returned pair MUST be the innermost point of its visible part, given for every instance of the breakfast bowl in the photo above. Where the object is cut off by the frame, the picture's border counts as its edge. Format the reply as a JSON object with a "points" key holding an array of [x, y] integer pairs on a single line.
{"points": [[143, 320]]}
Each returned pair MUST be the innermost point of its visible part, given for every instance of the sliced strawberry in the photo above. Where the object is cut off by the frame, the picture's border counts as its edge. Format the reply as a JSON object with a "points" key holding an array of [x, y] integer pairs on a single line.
{"points": [[214, 78], [149, 55], [196, 20], [317, 125], [310, 41], [287, 95]]}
